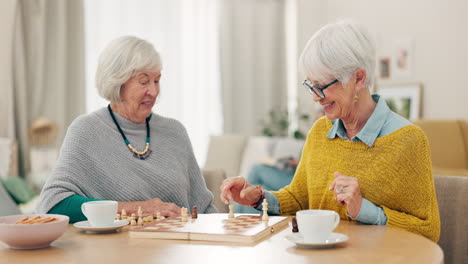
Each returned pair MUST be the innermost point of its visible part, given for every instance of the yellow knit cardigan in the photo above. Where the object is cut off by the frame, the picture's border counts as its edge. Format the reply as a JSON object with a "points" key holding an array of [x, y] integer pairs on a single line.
{"points": [[395, 174]]}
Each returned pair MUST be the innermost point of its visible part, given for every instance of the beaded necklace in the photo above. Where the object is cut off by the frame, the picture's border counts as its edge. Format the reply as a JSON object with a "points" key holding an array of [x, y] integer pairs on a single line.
{"points": [[139, 155]]}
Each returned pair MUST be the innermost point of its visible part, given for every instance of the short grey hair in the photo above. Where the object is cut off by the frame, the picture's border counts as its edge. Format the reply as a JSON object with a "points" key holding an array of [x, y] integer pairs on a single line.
{"points": [[120, 61], [337, 50]]}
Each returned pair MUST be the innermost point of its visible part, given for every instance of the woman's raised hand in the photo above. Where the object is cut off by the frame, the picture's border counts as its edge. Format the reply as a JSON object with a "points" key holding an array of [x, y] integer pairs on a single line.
{"points": [[238, 190], [347, 192]]}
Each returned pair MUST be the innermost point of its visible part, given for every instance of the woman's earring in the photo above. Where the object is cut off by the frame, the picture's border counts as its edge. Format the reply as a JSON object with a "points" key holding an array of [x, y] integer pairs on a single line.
{"points": [[356, 98]]}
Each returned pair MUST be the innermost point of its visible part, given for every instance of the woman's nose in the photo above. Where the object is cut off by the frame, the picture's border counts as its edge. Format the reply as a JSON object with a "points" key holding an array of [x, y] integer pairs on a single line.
{"points": [[153, 89], [316, 98]]}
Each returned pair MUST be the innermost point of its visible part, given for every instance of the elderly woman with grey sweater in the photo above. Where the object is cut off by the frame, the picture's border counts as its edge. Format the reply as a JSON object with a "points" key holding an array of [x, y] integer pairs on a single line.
{"points": [[125, 152]]}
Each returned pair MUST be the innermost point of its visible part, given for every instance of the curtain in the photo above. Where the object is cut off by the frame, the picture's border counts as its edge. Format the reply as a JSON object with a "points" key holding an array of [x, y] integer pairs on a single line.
{"points": [[186, 34], [7, 18], [253, 60], [48, 67]]}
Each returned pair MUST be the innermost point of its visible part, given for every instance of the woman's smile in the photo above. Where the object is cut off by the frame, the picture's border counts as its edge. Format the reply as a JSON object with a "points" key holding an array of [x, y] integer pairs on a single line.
{"points": [[328, 106]]}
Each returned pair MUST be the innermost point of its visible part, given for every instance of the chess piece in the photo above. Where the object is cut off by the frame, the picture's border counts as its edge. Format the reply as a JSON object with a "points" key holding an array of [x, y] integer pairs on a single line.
{"points": [[133, 216], [117, 217], [140, 221], [265, 210], [158, 216], [295, 228], [231, 211], [194, 212], [140, 212], [133, 222], [183, 212], [124, 214]]}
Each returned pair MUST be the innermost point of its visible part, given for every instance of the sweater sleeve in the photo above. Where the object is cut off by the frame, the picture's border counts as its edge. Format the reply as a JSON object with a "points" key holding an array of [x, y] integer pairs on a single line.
{"points": [[71, 207], [415, 205], [64, 180]]}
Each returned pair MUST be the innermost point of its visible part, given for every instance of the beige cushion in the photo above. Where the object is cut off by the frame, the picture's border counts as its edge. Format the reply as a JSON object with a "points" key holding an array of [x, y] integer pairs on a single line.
{"points": [[464, 128], [256, 150], [448, 142], [451, 196], [287, 147], [8, 157], [214, 179], [448, 171], [225, 152]]}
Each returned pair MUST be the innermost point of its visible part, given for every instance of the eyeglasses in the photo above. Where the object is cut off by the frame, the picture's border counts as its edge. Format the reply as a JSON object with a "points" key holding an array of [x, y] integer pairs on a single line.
{"points": [[316, 89]]}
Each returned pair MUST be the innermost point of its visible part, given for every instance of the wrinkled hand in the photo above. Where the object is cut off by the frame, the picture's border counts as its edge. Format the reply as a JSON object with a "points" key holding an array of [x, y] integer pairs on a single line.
{"points": [[237, 189], [157, 205], [151, 207], [347, 192]]}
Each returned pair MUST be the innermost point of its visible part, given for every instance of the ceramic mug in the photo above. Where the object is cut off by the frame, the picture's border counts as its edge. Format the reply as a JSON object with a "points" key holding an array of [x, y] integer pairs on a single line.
{"points": [[315, 226], [100, 213]]}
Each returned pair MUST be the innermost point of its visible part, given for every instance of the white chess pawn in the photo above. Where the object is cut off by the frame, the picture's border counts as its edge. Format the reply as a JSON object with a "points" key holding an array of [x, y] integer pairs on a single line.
{"points": [[184, 213], [265, 210], [231, 211], [140, 212]]}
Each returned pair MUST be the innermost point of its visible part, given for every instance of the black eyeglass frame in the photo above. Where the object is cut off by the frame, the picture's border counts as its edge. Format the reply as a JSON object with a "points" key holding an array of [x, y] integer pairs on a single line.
{"points": [[317, 89]]}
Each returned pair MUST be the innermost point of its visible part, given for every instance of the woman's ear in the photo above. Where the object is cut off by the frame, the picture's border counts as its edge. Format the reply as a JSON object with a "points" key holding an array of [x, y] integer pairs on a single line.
{"points": [[360, 76]]}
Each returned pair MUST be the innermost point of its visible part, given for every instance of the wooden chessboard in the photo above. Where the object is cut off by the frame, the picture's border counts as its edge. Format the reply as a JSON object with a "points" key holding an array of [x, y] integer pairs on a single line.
{"points": [[213, 227]]}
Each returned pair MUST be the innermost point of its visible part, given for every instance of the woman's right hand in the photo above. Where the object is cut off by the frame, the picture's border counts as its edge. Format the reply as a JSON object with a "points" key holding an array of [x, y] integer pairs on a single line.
{"points": [[166, 209], [151, 207], [237, 189]]}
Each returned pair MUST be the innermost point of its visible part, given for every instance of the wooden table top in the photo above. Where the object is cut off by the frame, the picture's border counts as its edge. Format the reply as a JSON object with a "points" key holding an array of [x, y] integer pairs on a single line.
{"points": [[366, 244]]}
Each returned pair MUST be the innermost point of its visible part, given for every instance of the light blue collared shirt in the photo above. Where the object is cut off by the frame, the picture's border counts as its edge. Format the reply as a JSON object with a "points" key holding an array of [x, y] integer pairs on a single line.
{"points": [[383, 121]]}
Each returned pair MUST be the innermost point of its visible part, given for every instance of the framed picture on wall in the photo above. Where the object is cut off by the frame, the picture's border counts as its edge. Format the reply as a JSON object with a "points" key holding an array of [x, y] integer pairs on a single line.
{"points": [[403, 99], [384, 68], [402, 58]]}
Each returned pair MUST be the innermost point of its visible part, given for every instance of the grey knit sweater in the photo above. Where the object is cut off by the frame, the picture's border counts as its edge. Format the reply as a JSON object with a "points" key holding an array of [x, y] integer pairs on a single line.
{"points": [[94, 162]]}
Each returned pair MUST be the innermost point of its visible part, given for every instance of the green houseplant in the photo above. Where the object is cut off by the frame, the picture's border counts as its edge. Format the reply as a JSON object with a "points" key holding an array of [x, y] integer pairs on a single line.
{"points": [[277, 124]]}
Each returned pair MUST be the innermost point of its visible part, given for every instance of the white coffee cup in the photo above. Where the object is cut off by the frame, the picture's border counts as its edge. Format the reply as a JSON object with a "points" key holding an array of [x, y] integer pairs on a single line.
{"points": [[315, 226], [100, 213]]}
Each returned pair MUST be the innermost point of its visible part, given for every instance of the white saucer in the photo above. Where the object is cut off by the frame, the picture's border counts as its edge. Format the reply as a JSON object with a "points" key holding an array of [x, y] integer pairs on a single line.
{"points": [[84, 225], [332, 240]]}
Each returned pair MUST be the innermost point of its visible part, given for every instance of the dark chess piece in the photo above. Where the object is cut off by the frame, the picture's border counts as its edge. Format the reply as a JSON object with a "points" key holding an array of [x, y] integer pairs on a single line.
{"points": [[194, 212], [295, 228]]}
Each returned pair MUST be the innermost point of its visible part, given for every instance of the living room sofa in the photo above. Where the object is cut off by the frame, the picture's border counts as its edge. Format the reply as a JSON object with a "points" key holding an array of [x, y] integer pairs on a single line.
{"points": [[448, 140]]}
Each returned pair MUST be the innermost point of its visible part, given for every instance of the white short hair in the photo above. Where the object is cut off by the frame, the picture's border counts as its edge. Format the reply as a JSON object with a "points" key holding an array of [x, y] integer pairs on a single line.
{"points": [[120, 61], [337, 50]]}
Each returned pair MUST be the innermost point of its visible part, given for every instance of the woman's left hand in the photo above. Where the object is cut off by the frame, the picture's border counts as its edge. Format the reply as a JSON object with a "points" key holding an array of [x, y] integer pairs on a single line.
{"points": [[347, 192]]}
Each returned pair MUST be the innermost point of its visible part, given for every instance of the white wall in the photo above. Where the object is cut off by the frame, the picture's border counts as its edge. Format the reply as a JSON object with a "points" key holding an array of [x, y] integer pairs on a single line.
{"points": [[439, 36], [7, 14]]}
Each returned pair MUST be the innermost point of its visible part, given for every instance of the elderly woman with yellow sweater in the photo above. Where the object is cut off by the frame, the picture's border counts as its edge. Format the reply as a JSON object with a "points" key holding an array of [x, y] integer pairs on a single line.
{"points": [[362, 160]]}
